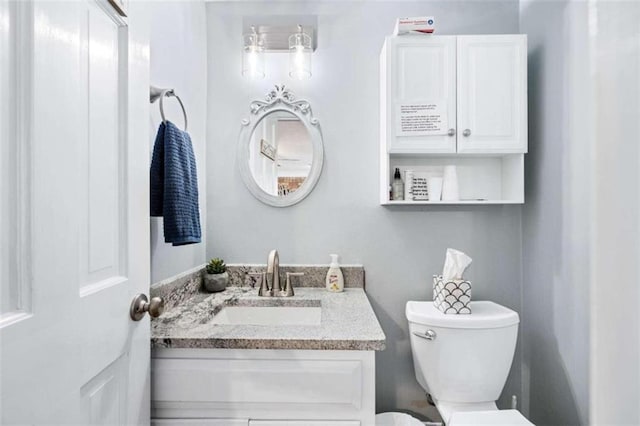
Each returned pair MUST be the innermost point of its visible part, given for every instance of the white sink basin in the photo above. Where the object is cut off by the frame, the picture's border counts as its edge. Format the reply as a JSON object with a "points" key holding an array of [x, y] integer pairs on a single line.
{"points": [[268, 315]]}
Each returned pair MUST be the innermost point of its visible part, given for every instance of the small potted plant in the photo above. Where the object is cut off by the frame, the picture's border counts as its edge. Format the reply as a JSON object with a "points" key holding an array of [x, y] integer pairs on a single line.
{"points": [[216, 279]]}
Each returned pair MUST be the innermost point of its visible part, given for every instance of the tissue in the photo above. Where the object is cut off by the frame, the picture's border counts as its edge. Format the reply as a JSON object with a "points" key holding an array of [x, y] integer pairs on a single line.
{"points": [[451, 292], [455, 264]]}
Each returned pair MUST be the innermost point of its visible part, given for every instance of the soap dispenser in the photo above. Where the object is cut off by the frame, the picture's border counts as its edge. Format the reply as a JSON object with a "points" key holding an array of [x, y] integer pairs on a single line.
{"points": [[397, 187], [335, 280]]}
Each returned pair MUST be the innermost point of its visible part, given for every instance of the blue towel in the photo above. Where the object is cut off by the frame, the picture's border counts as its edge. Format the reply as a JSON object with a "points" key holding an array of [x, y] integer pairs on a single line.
{"points": [[174, 185]]}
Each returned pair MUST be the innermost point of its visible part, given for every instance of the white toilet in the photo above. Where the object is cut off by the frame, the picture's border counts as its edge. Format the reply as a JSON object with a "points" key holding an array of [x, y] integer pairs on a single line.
{"points": [[463, 361]]}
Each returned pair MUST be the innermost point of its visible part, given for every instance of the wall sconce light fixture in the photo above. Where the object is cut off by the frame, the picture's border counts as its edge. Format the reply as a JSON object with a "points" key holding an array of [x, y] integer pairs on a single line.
{"points": [[300, 55], [253, 55], [260, 39]]}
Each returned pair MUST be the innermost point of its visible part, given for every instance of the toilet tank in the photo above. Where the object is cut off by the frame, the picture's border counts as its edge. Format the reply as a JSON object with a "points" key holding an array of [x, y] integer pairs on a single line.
{"points": [[462, 358]]}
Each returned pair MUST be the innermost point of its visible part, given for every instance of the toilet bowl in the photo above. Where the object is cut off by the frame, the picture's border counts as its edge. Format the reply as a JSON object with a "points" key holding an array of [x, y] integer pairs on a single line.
{"points": [[397, 419], [492, 418], [463, 361]]}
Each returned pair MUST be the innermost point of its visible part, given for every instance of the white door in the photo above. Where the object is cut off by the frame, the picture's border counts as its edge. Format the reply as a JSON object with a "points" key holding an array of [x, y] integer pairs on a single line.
{"points": [[492, 94], [421, 74], [74, 217]]}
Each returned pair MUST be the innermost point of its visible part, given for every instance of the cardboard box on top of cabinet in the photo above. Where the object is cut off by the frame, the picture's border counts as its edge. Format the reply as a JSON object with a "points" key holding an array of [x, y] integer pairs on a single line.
{"points": [[417, 25]]}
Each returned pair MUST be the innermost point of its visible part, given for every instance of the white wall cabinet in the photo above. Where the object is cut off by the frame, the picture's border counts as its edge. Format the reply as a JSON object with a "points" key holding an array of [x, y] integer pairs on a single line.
{"points": [[455, 100], [263, 387]]}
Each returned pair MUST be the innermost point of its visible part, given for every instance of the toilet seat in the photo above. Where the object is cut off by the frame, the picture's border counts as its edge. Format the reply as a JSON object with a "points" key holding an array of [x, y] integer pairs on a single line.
{"points": [[493, 417]]}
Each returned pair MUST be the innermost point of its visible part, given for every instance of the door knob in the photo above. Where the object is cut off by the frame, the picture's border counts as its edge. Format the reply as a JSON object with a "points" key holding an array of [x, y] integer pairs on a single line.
{"points": [[466, 132], [141, 304], [451, 132]]}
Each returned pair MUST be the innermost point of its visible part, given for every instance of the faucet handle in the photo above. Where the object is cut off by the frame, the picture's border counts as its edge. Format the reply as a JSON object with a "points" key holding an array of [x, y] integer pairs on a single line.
{"points": [[288, 290]]}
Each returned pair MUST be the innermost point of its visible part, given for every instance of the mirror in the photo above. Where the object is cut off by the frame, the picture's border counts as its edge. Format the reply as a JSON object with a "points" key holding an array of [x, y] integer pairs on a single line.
{"points": [[280, 151]]}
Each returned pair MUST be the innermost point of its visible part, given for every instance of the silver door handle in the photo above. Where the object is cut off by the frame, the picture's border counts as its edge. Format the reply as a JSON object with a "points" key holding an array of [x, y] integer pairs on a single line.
{"points": [[451, 132], [429, 335], [140, 305], [466, 132]]}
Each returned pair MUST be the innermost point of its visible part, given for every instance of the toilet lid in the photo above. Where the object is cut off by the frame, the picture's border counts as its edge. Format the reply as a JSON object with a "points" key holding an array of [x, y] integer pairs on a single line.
{"points": [[484, 314], [497, 417]]}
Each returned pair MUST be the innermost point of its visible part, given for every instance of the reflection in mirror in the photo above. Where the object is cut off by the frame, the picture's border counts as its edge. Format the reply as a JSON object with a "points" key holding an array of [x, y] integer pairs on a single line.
{"points": [[280, 153]]}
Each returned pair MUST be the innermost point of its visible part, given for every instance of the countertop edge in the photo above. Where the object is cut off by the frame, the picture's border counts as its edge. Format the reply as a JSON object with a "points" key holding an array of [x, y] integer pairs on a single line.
{"points": [[302, 344]]}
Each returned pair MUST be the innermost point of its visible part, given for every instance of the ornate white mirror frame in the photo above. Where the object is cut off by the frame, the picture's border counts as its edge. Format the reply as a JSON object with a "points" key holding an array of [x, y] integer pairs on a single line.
{"points": [[280, 99]]}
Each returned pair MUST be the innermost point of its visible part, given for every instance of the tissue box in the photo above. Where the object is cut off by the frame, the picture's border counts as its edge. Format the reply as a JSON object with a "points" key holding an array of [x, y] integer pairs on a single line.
{"points": [[452, 296]]}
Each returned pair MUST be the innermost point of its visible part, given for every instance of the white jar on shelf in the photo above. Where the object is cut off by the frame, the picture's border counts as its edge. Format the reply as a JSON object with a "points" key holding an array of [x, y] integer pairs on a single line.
{"points": [[450, 184]]}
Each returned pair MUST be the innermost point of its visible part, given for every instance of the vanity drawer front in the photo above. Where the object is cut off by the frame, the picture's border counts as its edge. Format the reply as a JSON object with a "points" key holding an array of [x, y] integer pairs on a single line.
{"points": [[303, 423], [199, 422], [263, 384], [260, 381]]}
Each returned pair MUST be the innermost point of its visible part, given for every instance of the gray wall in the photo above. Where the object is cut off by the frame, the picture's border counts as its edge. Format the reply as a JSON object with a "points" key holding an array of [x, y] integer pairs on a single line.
{"points": [[614, 381], [557, 214], [400, 247], [178, 60]]}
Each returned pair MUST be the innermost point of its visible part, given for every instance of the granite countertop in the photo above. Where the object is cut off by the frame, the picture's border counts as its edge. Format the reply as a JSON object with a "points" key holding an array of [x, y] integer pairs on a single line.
{"points": [[347, 322]]}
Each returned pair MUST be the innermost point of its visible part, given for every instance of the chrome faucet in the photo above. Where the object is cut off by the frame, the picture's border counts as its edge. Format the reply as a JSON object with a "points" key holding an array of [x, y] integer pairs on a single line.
{"points": [[273, 273], [270, 283]]}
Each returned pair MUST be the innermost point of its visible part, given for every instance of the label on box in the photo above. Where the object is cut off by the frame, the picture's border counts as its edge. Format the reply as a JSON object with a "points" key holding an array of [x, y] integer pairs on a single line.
{"points": [[421, 118], [417, 25], [419, 187]]}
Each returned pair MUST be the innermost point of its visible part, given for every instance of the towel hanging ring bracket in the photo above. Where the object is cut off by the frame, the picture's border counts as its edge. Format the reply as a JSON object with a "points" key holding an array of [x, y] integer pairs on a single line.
{"points": [[156, 93]]}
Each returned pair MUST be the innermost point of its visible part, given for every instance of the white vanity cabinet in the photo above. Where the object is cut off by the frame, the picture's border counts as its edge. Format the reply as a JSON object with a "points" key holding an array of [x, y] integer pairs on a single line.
{"points": [[455, 100], [247, 422], [262, 387]]}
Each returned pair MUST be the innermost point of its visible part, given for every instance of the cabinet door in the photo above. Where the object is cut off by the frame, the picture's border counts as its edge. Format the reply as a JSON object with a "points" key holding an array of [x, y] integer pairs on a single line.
{"points": [[492, 94], [421, 108], [199, 422], [304, 423]]}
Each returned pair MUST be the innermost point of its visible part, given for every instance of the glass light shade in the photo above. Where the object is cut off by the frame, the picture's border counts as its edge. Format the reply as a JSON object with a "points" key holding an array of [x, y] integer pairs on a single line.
{"points": [[300, 55], [252, 56]]}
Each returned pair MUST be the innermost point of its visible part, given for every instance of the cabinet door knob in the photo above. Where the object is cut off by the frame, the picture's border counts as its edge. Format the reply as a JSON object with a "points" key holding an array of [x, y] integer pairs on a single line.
{"points": [[451, 132], [466, 132]]}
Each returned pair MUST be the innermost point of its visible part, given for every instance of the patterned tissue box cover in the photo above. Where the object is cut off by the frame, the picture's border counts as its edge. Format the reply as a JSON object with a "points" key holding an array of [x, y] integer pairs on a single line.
{"points": [[452, 296]]}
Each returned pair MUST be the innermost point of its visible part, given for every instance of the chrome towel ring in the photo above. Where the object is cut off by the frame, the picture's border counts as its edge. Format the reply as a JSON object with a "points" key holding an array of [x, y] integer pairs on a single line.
{"points": [[156, 93]]}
